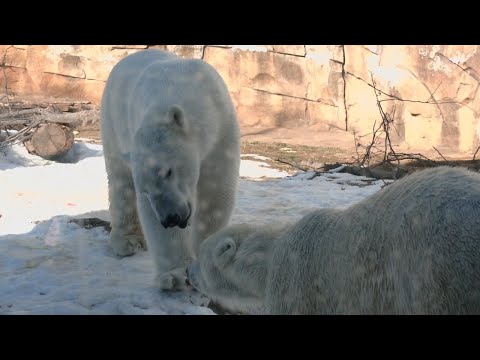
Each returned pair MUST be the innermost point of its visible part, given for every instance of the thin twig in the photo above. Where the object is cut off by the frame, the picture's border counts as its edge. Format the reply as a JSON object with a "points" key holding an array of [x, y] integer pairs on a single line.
{"points": [[415, 157], [315, 172], [440, 154], [344, 89], [468, 70], [292, 165], [478, 148], [21, 136], [431, 96], [392, 97]]}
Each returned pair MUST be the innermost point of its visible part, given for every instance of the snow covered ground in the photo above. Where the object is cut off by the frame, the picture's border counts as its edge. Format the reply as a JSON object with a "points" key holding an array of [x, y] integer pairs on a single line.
{"points": [[49, 265]]}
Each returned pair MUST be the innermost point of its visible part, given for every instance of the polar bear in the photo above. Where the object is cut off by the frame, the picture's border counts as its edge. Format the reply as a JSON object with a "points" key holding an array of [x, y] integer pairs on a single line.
{"points": [[411, 248], [172, 153]]}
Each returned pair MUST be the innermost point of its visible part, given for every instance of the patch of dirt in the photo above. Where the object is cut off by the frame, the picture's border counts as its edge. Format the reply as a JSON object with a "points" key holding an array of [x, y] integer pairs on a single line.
{"points": [[299, 156]]}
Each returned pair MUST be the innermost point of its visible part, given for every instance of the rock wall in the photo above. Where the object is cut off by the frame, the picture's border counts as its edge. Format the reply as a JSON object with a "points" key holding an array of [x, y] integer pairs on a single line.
{"points": [[431, 92]]}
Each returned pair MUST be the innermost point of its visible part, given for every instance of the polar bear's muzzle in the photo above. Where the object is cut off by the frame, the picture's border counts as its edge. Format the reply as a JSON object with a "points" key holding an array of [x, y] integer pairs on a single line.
{"points": [[169, 213], [177, 219], [173, 220]]}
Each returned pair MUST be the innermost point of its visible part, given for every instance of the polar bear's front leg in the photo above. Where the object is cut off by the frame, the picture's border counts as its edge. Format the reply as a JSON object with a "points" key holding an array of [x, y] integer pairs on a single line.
{"points": [[170, 248], [126, 235]]}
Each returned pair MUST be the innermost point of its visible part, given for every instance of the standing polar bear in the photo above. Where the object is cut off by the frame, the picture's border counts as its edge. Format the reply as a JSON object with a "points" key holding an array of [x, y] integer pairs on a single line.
{"points": [[172, 154], [411, 248]]}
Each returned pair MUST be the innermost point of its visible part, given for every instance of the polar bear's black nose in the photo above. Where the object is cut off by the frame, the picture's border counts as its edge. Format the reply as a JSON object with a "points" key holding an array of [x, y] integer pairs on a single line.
{"points": [[171, 221]]}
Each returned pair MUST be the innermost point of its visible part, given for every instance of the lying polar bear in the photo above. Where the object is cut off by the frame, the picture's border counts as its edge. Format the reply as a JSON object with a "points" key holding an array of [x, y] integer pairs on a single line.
{"points": [[172, 154], [412, 248]]}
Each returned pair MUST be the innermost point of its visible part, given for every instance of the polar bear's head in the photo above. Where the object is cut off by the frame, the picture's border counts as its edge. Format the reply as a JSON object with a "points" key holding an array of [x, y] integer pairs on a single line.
{"points": [[166, 165], [232, 267]]}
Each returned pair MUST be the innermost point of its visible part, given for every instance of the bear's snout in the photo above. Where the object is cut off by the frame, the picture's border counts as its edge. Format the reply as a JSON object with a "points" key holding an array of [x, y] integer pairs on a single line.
{"points": [[169, 212], [172, 220]]}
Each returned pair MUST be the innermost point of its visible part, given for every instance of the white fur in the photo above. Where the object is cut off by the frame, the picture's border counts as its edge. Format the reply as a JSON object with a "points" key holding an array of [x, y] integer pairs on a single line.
{"points": [[411, 248], [171, 145]]}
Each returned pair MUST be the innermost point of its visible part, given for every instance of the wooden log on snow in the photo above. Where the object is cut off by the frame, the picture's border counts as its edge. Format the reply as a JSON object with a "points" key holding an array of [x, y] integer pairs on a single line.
{"points": [[50, 141]]}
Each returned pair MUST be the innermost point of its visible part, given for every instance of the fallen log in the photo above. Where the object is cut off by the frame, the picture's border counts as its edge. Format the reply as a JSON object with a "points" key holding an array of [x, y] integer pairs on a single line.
{"points": [[50, 141], [70, 119], [19, 113]]}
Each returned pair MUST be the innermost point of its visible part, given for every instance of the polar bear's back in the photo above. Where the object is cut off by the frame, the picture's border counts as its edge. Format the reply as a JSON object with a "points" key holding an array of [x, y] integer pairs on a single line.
{"points": [[118, 93], [445, 184], [162, 79], [126, 73], [156, 76], [417, 242], [128, 70], [428, 200], [413, 247]]}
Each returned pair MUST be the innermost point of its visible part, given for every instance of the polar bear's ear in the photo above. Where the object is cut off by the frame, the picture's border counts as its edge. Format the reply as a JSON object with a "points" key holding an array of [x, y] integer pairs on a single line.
{"points": [[224, 251], [176, 117]]}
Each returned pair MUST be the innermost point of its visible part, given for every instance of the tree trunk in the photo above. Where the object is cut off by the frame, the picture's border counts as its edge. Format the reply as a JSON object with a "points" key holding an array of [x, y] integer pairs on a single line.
{"points": [[50, 141]]}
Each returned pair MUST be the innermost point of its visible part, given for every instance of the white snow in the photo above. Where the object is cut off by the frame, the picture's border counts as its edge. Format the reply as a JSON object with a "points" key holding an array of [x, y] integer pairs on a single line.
{"points": [[258, 169], [51, 266], [255, 156]]}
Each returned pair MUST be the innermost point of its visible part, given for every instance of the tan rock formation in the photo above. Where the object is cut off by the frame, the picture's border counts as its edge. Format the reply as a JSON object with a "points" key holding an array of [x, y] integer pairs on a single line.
{"points": [[317, 90]]}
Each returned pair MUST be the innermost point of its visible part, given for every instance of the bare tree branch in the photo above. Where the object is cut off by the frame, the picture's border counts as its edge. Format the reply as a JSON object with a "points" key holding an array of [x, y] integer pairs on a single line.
{"points": [[392, 97], [344, 89], [440, 154], [415, 157], [305, 169], [20, 137], [476, 77], [380, 145], [431, 96], [292, 165], [19, 118], [19, 113], [478, 148]]}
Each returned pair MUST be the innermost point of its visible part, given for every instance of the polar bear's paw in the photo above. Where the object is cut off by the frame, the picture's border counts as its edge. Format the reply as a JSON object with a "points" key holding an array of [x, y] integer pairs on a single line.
{"points": [[175, 280], [125, 245]]}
